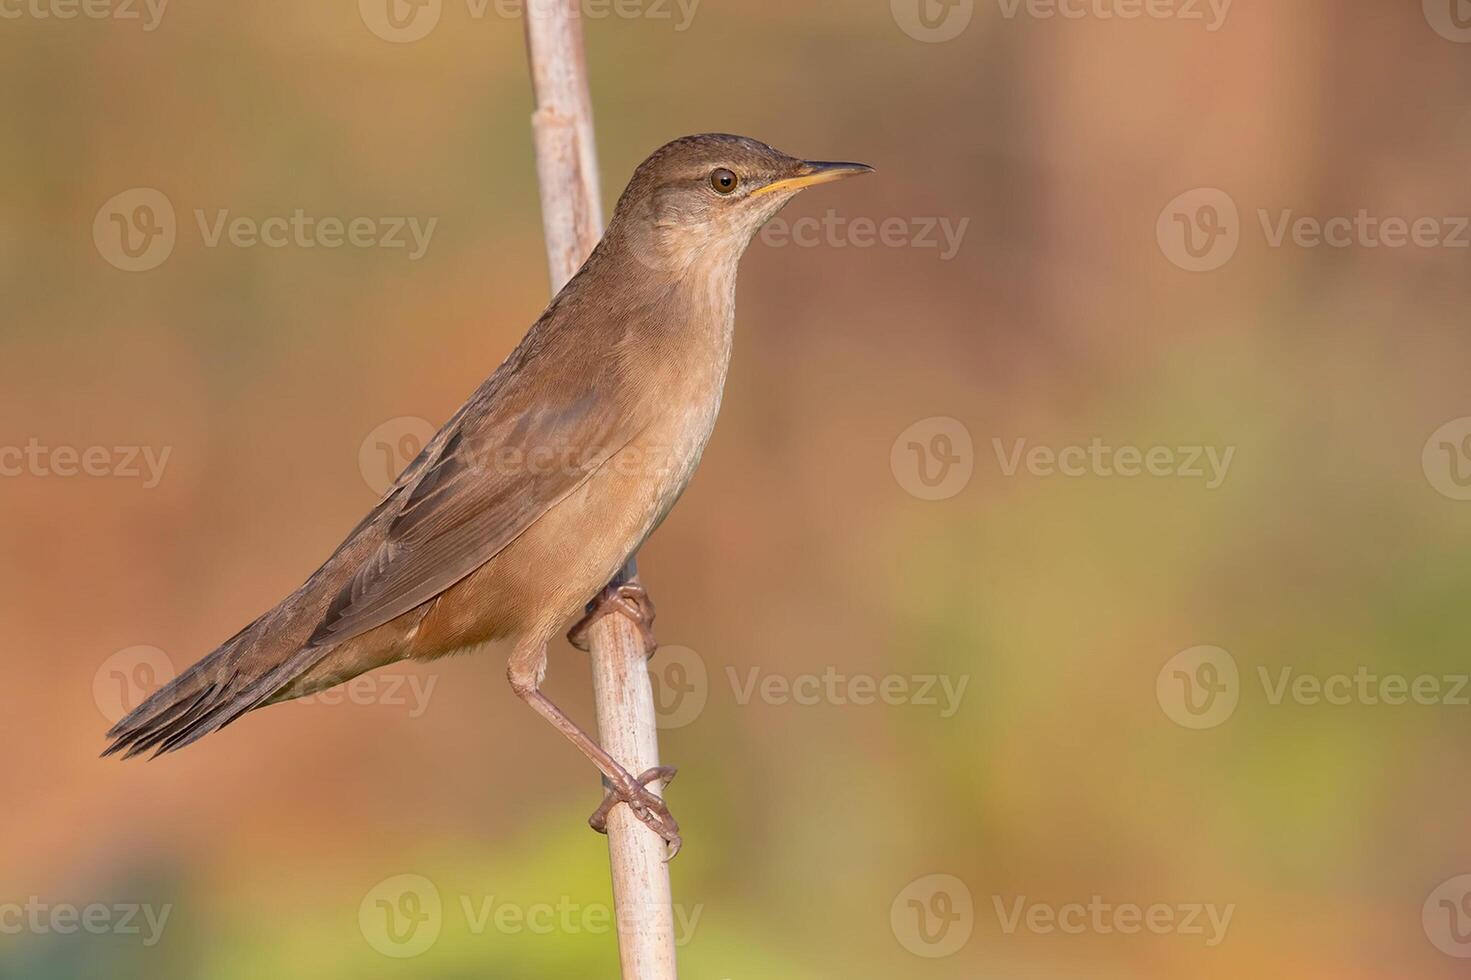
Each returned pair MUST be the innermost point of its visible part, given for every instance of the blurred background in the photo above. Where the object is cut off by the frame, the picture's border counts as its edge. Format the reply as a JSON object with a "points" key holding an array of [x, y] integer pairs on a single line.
{"points": [[1075, 585]]}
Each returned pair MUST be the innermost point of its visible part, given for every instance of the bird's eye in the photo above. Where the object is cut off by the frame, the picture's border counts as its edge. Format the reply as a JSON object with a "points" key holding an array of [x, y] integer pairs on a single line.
{"points": [[723, 181]]}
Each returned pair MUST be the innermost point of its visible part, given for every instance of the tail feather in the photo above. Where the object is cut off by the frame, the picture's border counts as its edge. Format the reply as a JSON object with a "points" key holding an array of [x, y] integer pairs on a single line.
{"points": [[168, 701], [206, 697], [172, 722]]}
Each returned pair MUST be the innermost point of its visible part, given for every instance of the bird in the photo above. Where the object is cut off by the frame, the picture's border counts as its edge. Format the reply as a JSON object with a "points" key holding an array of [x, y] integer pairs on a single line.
{"points": [[528, 505]]}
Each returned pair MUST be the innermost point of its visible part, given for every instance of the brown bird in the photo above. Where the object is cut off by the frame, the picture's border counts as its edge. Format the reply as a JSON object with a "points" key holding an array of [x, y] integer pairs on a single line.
{"points": [[543, 485]]}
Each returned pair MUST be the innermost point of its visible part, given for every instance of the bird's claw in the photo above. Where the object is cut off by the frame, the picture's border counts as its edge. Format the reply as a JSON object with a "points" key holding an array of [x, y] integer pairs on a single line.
{"points": [[629, 598], [644, 803]]}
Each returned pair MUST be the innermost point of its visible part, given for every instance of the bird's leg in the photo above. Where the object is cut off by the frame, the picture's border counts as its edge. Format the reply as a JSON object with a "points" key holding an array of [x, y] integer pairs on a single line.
{"points": [[525, 672], [620, 595]]}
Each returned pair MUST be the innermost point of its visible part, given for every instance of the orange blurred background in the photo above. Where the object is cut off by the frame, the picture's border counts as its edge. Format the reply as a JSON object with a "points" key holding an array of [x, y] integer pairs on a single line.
{"points": [[1059, 722]]}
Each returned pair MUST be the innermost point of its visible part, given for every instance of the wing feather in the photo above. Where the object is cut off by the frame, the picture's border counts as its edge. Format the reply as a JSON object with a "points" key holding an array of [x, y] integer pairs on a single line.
{"points": [[487, 477]]}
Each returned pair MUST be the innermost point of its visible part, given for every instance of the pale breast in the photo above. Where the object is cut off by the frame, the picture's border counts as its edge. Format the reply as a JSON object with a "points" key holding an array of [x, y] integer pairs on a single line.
{"points": [[679, 352]]}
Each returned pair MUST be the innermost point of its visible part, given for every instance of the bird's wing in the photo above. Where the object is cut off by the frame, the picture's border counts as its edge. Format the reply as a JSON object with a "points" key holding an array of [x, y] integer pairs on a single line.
{"points": [[523, 443]]}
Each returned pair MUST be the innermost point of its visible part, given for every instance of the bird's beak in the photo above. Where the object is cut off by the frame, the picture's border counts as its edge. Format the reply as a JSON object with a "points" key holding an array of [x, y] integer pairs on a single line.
{"points": [[814, 172]]}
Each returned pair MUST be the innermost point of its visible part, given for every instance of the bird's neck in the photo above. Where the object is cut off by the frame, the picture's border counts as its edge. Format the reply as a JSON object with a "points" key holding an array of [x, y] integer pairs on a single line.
{"points": [[678, 323], [706, 291]]}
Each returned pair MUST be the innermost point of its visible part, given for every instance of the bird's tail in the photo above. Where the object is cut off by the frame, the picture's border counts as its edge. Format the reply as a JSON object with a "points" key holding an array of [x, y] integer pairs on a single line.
{"points": [[207, 697]]}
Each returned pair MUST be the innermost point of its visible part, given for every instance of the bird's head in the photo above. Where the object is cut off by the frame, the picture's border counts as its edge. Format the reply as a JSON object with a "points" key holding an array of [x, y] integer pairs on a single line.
{"points": [[705, 197]]}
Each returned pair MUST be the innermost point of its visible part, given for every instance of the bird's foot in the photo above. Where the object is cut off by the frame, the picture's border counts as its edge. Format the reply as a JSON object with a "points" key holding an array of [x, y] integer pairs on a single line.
{"points": [[644, 803], [629, 598]]}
